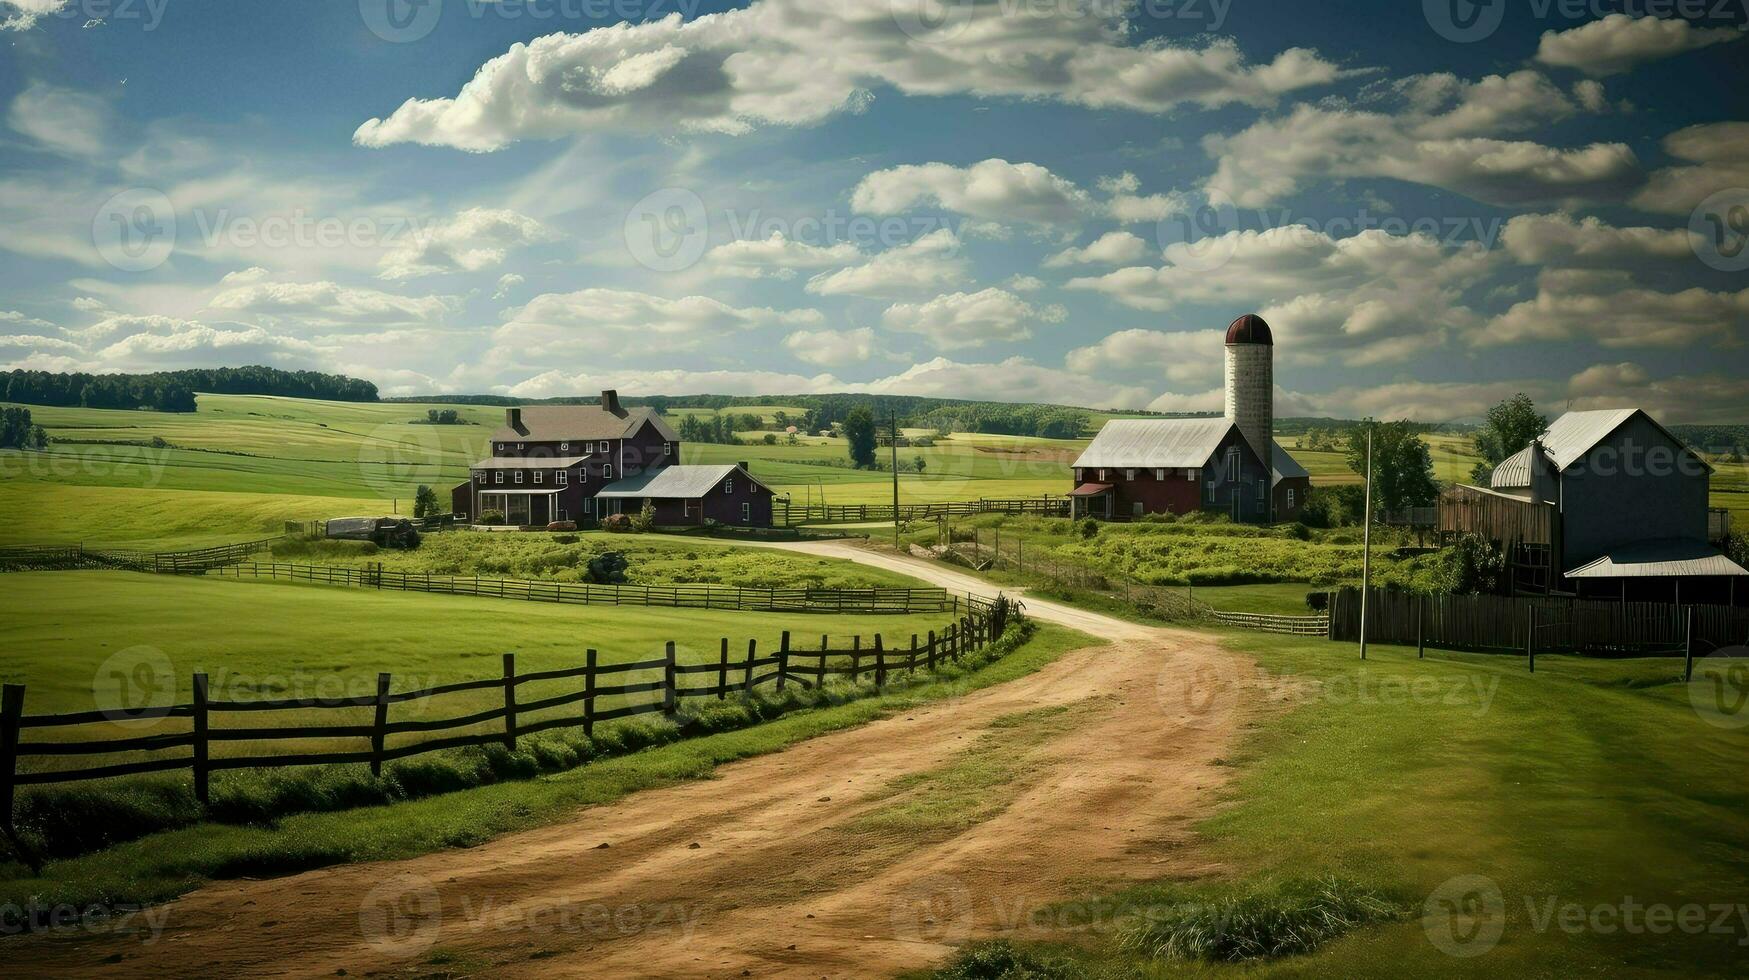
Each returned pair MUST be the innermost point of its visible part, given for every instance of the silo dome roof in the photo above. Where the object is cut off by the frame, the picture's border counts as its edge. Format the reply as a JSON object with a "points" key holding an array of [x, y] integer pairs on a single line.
{"points": [[1250, 329]]}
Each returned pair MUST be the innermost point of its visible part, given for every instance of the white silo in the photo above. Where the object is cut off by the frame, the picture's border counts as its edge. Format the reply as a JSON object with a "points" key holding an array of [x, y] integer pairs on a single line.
{"points": [[1251, 382]]}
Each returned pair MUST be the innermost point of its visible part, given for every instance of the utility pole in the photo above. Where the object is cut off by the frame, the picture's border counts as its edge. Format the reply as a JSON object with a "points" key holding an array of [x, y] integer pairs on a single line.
{"points": [[893, 431], [1366, 543]]}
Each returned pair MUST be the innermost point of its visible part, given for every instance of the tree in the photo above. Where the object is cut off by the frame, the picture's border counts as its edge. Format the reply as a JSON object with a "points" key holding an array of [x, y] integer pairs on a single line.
{"points": [[645, 518], [920, 464], [859, 431], [1402, 465], [425, 502], [1510, 427]]}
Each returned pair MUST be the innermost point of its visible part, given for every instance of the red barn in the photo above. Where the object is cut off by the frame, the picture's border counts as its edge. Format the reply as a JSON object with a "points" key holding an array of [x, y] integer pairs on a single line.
{"points": [[585, 462], [1153, 466]]}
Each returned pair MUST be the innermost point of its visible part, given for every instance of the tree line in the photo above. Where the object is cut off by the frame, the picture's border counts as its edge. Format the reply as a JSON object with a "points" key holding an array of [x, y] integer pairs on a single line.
{"points": [[173, 391]]}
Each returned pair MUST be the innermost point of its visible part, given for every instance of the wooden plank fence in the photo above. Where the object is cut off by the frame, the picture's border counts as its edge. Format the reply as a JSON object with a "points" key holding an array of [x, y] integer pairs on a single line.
{"points": [[1267, 623], [190, 562], [652, 686], [894, 600], [1490, 622]]}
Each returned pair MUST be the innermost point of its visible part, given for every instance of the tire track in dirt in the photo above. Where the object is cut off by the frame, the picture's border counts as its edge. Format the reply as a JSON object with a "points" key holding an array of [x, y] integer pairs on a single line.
{"points": [[770, 868]]}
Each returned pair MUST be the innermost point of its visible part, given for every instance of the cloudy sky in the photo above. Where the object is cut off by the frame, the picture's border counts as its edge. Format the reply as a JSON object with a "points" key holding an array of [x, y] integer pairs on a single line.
{"points": [[1435, 204]]}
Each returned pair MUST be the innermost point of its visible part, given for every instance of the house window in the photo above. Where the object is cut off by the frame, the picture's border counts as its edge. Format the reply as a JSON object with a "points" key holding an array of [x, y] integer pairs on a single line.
{"points": [[1261, 488], [497, 476], [500, 447], [521, 445], [1159, 474], [607, 447], [1190, 473], [479, 476], [607, 471], [1129, 474], [564, 447], [518, 476], [562, 478], [1136, 508], [729, 485], [1078, 476], [746, 513], [1101, 476], [537, 476], [668, 449], [691, 507], [1290, 498]]}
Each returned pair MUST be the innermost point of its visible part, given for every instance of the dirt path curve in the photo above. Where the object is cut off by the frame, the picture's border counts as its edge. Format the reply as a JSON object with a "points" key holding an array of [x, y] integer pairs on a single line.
{"points": [[856, 854]]}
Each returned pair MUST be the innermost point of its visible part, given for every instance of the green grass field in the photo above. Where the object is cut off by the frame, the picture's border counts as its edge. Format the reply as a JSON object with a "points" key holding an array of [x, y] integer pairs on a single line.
{"points": [[1592, 786]]}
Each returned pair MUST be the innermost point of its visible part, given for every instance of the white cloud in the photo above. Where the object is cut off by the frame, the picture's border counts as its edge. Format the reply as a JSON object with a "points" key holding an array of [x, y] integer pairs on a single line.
{"points": [[777, 257], [959, 320], [1012, 379], [1181, 356], [1446, 137], [590, 325], [474, 239], [1719, 154], [21, 15], [674, 381], [1111, 248], [833, 348], [1559, 239], [1713, 398], [1021, 283], [991, 189], [327, 303], [506, 283], [796, 62], [66, 121], [14, 319], [1609, 308], [1620, 42], [933, 261]]}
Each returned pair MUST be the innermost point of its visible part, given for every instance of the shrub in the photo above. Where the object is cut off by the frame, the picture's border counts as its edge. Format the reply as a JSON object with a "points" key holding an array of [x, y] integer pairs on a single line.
{"points": [[491, 517], [1089, 528], [425, 502], [1002, 960], [617, 523], [645, 518], [1263, 922]]}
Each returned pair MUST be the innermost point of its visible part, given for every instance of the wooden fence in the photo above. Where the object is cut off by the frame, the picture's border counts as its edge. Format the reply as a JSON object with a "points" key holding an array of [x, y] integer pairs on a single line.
{"points": [[788, 514], [664, 681], [1267, 623], [190, 562], [583, 593], [1489, 622]]}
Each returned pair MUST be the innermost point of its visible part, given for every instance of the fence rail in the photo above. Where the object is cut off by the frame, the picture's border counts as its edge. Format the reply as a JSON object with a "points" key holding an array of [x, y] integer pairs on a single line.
{"points": [[1488, 622], [583, 593], [190, 562], [984, 622], [787, 514], [1267, 623]]}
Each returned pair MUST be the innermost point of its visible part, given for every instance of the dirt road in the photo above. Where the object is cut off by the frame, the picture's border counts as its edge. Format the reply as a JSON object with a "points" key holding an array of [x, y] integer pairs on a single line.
{"points": [[856, 854]]}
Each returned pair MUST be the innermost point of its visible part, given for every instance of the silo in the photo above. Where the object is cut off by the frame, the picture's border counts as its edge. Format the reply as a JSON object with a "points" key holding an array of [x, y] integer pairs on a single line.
{"points": [[1251, 382]]}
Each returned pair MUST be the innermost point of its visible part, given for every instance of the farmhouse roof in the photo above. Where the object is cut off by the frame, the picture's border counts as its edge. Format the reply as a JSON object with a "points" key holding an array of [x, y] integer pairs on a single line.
{"points": [[1155, 442], [580, 423], [674, 482], [1660, 559], [528, 462], [1283, 466], [1569, 438]]}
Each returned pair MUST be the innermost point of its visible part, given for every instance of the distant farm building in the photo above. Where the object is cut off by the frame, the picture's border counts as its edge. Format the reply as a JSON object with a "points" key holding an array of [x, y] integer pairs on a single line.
{"points": [[1232, 465], [1604, 504], [585, 463]]}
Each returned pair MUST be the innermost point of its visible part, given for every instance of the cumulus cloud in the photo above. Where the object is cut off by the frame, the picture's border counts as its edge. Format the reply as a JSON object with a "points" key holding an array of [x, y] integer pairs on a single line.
{"points": [[1609, 308], [673, 381], [506, 283], [1446, 136], [1620, 43], [1181, 356], [1111, 248], [326, 303], [1718, 159], [796, 62], [69, 122], [991, 189], [1711, 398], [132, 342], [833, 348], [1012, 379], [1560, 239], [562, 328], [960, 320], [22, 15], [777, 257], [932, 261], [475, 239]]}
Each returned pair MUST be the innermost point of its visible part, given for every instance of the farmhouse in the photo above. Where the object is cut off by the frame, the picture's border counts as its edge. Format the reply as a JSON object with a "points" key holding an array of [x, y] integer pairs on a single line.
{"points": [[586, 462], [1604, 504], [1233, 464]]}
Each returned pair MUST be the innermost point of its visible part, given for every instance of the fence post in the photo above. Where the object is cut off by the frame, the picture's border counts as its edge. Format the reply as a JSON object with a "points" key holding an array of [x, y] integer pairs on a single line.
{"points": [[378, 735], [1530, 637], [588, 693], [723, 671], [820, 671], [1688, 649], [747, 679], [510, 701], [782, 659], [200, 756], [11, 711], [931, 654], [669, 696], [911, 661], [1420, 627], [880, 662]]}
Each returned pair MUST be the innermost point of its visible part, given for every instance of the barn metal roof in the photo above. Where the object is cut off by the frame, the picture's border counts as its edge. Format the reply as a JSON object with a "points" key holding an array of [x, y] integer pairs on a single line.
{"points": [[580, 423], [1513, 471], [1283, 466], [1567, 440], [674, 482], [1155, 442], [1672, 558]]}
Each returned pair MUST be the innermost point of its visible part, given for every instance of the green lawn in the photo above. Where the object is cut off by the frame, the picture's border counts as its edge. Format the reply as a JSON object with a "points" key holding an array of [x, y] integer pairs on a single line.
{"points": [[1592, 785], [1277, 599]]}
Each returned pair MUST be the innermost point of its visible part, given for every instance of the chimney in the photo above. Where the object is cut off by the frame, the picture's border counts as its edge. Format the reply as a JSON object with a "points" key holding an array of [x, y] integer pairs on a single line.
{"points": [[513, 418], [610, 402]]}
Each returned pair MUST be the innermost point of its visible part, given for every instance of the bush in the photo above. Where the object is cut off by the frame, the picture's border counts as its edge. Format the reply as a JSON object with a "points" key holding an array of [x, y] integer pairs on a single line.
{"points": [[425, 502], [1002, 960], [1263, 922], [491, 517], [617, 523], [645, 518], [1089, 528]]}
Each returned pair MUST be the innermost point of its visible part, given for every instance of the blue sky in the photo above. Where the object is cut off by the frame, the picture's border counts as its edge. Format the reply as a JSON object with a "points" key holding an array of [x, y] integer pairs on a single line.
{"points": [[1435, 204]]}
